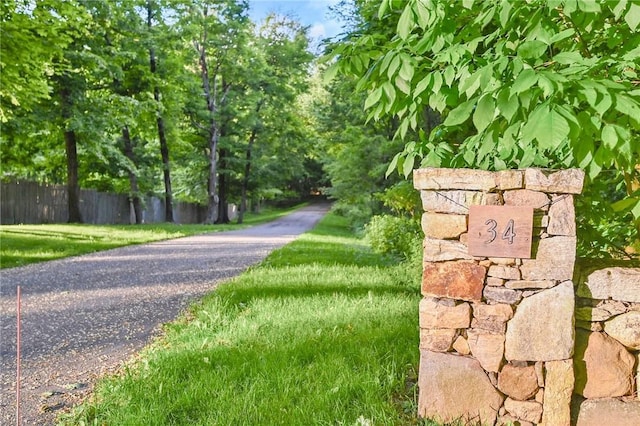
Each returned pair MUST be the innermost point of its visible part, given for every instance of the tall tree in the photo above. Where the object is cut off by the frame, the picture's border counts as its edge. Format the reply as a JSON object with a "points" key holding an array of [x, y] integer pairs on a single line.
{"points": [[218, 29], [154, 14]]}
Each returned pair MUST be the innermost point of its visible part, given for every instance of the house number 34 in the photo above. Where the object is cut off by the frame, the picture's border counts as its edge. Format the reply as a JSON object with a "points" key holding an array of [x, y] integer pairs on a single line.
{"points": [[508, 234], [500, 231]]}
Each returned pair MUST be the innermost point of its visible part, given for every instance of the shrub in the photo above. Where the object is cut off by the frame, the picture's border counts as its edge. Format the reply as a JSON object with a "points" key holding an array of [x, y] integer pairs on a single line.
{"points": [[394, 236]]}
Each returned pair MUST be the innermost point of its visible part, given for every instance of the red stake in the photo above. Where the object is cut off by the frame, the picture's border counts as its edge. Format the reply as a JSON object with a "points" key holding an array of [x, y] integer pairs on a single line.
{"points": [[18, 419]]}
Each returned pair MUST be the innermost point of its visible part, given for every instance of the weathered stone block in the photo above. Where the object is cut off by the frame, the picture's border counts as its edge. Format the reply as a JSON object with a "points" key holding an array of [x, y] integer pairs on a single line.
{"points": [[556, 181], [441, 178], [453, 387], [502, 295], [557, 393], [461, 346], [498, 313], [601, 412], [443, 250], [603, 367], [456, 202], [520, 383], [456, 280], [542, 327], [490, 326], [528, 284], [495, 282], [504, 272], [437, 315], [443, 226], [612, 283], [487, 348], [562, 216], [525, 197], [625, 329], [509, 179], [437, 339], [554, 260], [529, 411]]}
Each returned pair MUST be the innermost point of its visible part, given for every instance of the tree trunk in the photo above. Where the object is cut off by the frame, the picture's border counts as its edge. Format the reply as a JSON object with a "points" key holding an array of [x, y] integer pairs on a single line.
{"points": [[164, 147], [71, 151], [247, 166], [223, 184], [245, 178], [166, 167], [73, 188], [133, 178]]}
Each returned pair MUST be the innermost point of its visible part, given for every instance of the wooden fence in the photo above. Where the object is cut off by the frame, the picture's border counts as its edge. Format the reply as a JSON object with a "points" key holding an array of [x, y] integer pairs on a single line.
{"points": [[31, 202]]}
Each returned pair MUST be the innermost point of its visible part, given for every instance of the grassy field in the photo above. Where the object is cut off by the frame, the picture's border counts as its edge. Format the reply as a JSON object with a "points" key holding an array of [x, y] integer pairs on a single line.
{"points": [[323, 332], [24, 244]]}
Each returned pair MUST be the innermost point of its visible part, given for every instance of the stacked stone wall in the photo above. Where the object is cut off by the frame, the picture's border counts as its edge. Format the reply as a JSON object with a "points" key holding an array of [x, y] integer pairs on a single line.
{"points": [[522, 341], [607, 350]]}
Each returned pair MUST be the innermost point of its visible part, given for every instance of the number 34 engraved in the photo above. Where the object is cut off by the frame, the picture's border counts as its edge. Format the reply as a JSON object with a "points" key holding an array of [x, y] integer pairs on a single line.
{"points": [[508, 234]]}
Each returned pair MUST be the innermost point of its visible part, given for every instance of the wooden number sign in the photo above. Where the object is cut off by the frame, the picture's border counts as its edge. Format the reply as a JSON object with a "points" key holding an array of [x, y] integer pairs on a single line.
{"points": [[500, 231]]}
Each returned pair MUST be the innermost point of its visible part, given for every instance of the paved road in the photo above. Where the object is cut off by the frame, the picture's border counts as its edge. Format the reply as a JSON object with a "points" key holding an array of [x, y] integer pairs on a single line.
{"points": [[83, 316]]}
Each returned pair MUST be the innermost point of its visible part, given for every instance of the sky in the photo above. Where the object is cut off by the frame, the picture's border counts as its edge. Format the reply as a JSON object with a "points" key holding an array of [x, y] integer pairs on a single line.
{"points": [[312, 13]]}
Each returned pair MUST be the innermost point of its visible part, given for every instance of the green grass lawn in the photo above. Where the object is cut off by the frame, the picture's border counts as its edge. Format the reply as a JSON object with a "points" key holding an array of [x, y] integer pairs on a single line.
{"points": [[24, 244], [323, 332]]}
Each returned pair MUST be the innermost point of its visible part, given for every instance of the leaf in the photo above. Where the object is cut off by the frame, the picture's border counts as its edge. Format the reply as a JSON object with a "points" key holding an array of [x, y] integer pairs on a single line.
{"points": [[470, 84], [389, 91], [373, 98], [384, 5], [406, 71], [330, 73], [507, 105], [393, 164], [405, 23], [403, 85], [483, 115], [422, 86], [556, 133], [532, 49], [460, 114], [632, 18], [628, 106], [562, 35], [393, 66], [423, 14], [505, 12], [546, 85], [568, 58], [609, 136], [449, 75], [525, 80], [625, 204], [547, 126], [589, 6], [467, 4]]}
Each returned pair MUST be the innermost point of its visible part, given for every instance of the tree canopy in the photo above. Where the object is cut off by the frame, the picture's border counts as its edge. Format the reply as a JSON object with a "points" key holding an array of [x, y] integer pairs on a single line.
{"points": [[154, 97], [511, 84]]}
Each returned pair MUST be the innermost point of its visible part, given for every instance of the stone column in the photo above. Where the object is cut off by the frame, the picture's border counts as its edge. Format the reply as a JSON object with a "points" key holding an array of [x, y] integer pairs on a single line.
{"points": [[497, 334]]}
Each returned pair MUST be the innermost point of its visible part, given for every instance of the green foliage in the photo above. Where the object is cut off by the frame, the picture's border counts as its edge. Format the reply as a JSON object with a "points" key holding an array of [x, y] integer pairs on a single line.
{"points": [[85, 67], [402, 199], [322, 323], [398, 237], [544, 83]]}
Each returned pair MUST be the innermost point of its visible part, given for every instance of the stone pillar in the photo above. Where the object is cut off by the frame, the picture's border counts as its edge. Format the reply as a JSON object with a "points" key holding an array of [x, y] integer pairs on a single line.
{"points": [[497, 334]]}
